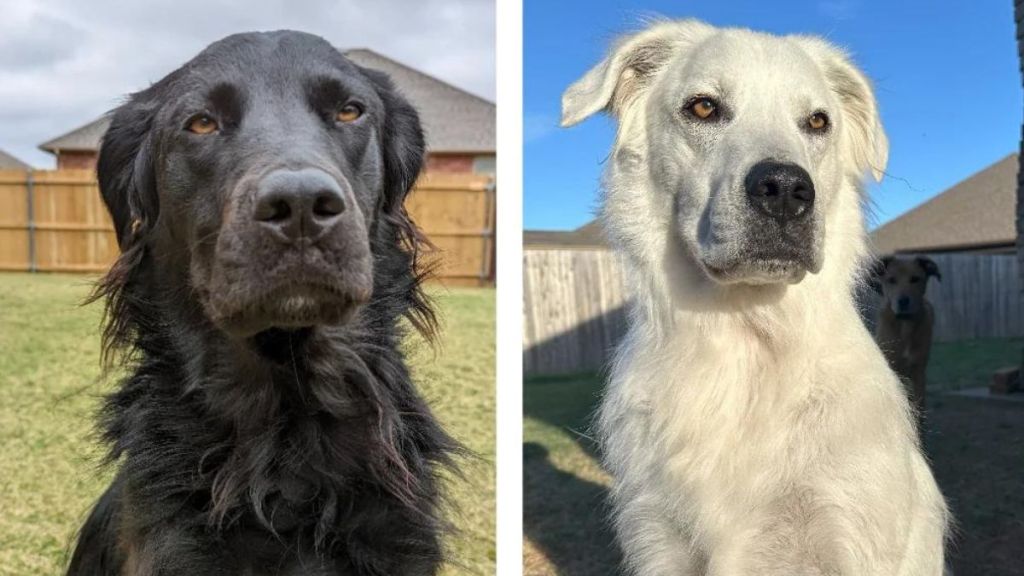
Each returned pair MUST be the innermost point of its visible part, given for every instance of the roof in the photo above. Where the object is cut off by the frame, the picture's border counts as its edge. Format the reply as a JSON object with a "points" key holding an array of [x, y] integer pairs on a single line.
{"points": [[8, 162], [977, 212], [454, 120], [83, 138], [587, 236]]}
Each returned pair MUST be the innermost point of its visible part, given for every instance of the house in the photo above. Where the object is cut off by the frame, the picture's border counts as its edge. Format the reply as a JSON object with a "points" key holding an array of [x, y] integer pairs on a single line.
{"points": [[586, 237], [460, 127], [8, 162], [974, 216]]}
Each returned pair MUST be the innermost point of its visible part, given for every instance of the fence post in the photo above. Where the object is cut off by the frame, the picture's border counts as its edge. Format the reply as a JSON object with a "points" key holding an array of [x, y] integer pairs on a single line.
{"points": [[30, 191], [490, 222]]}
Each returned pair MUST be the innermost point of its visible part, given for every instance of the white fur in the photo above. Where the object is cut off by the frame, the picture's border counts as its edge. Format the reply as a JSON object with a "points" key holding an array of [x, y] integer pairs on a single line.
{"points": [[752, 427]]}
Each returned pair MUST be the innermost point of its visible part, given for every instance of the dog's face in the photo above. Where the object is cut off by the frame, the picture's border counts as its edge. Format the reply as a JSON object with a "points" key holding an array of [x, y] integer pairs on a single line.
{"points": [[903, 282], [744, 140], [259, 169]]}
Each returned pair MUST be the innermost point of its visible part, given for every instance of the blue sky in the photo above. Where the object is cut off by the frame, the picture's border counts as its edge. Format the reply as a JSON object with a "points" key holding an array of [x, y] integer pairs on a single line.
{"points": [[946, 76]]}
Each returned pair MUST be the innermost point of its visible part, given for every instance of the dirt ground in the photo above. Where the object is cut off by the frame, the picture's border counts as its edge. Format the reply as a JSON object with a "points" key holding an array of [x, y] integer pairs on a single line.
{"points": [[976, 448]]}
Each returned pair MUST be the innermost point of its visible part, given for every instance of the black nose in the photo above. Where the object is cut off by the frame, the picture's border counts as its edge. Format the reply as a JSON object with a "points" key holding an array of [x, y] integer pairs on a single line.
{"points": [[903, 303], [299, 204], [783, 191]]}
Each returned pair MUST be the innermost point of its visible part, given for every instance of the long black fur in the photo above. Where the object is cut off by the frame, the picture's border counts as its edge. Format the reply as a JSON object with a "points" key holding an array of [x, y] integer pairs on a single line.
{"points": [[301, 452]]}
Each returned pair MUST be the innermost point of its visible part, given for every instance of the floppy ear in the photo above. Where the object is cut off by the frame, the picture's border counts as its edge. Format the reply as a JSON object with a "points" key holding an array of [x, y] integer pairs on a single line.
{"points": [[877, 272], [930, 267], [127, 183], [863, 138], [402, 141], [125, 171], [628, 69]]}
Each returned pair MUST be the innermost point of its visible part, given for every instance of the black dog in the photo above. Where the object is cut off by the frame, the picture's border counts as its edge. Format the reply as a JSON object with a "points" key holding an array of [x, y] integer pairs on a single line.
{"points": [[269, 424]]}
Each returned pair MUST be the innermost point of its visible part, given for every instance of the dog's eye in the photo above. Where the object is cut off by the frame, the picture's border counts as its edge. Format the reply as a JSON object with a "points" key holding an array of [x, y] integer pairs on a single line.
{"points": [[892, 281], [349, 113], [202, 124], [915, 279], [703, 108], [818, 122]]}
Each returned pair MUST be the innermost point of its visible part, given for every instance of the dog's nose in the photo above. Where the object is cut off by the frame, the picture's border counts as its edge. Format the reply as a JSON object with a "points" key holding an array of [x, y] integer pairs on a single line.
{"points": [[782, 191], [903, 303], [298, 204]]}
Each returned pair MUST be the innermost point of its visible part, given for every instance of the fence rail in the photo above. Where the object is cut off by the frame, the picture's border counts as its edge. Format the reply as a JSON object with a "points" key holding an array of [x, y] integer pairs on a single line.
{"points": [[574, 305], [55, 221]]}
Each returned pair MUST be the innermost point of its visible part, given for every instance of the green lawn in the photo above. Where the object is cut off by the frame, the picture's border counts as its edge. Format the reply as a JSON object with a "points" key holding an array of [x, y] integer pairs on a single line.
{"points": [[975, 447], [50, 388]]}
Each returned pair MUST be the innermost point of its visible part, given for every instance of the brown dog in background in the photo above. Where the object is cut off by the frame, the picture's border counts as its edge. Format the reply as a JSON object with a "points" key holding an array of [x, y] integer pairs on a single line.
{"points": [[905, 320]]}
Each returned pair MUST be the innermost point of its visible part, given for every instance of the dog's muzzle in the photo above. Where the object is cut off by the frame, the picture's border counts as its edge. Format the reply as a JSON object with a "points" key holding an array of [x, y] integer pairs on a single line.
{"points": [[295, 253]]}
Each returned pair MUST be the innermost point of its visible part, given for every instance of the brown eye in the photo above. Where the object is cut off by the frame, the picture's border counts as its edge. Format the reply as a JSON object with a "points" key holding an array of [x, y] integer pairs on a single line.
{"points": [[915, 279], [703, 108], [202, 124], [818, 121], [349, 113]]}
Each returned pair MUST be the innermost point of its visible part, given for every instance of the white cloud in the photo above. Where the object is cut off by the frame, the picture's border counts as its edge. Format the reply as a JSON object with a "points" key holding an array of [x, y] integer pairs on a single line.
{"points": [[538, 126], [839, 9], [65, 62]]}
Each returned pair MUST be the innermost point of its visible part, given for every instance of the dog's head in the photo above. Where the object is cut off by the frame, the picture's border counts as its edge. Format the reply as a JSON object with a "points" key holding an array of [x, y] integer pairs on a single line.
{"points": [[902, 282], [256, 174], [732, 144]]}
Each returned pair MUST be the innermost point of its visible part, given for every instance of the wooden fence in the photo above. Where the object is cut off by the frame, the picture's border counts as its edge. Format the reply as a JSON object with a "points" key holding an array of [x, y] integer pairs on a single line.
{"points": [[55, 221], [574, 305], [574, 310]]}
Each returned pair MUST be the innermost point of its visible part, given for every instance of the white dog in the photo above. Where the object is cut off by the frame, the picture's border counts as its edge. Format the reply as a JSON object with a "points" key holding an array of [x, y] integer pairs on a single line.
{"points": [[751, 424]]}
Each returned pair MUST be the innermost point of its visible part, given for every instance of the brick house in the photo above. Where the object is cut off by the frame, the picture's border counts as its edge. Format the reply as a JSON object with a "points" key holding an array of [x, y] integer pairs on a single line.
{"points": [[460, 126]]}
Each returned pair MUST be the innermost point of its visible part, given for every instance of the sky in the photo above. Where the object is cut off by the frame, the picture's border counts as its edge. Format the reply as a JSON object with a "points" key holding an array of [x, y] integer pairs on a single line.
{"points": [[63, 63], [946, 76]]}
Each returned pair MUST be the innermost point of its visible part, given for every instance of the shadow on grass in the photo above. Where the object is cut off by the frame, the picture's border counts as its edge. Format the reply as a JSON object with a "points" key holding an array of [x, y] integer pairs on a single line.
{"points": [[977, 455], [565, 512], [565, 517]]}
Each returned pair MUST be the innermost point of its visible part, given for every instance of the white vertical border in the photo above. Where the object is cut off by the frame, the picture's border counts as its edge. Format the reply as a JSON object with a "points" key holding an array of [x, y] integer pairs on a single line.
{"points": [[509, 416]]}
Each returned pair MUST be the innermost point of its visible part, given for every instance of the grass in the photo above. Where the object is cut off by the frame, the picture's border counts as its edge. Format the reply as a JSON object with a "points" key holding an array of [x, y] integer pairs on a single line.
{"points": [[970, 363], [50, 389], [974, 446]]}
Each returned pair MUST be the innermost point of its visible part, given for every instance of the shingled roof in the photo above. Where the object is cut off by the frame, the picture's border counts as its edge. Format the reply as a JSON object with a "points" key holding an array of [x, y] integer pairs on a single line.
{"points": [[8, 162], [976, 213], [453, 119], [587, 236]]}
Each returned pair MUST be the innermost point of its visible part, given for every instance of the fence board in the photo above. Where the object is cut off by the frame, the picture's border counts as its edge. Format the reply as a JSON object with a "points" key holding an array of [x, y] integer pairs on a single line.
{"points": [[574, 305], [573, 309], [71, 231]]}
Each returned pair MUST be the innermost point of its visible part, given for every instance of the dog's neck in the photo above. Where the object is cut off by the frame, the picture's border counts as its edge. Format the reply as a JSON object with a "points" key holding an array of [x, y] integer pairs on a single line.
{"points": [[316, 393]]}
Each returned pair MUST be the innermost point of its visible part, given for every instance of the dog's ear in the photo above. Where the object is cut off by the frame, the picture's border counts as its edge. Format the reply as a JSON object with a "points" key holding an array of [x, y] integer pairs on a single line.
{"points": [[929, 266], [402, 140], [877, 272], [126, 174], [125, 171], [628, 69], [863, 137]]}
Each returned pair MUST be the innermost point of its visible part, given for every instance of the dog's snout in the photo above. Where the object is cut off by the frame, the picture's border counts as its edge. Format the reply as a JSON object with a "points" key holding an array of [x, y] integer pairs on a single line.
{"points": [[299, 204], [782, 191], [903, 303]]}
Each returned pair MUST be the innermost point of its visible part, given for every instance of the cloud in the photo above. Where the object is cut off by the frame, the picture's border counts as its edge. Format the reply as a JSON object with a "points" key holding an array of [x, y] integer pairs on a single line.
{"points": [[538, 126], [65, 62], [839, 9]]}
